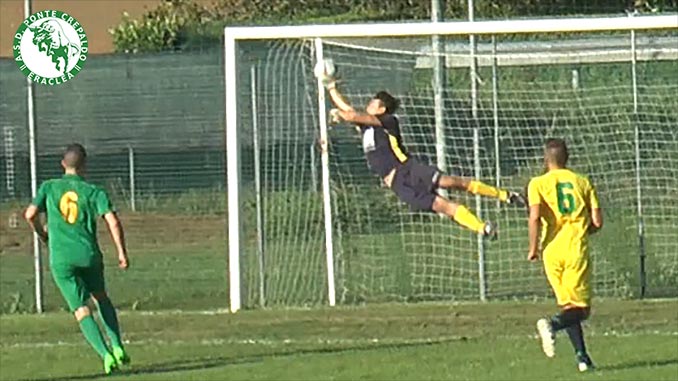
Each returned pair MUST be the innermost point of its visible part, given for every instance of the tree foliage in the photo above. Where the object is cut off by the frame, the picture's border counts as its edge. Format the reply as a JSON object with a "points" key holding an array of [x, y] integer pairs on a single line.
{"points": [[179, 24]]}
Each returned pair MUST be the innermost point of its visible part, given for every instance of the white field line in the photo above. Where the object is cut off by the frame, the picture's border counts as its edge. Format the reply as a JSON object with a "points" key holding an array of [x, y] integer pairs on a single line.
{"points": [[226, 311], [317, 341]]}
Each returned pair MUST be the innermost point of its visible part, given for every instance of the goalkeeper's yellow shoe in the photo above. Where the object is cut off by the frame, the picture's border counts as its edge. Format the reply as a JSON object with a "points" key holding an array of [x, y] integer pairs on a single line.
{"points": [[121, 357], [110, 364]]}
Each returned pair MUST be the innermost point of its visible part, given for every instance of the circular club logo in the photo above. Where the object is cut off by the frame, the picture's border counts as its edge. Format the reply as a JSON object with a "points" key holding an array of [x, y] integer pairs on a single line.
{"points": [[50, 47]]}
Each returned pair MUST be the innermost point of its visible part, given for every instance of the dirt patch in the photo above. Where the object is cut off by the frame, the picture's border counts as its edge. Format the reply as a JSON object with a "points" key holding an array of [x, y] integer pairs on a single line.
{"points": [[143, 231]]}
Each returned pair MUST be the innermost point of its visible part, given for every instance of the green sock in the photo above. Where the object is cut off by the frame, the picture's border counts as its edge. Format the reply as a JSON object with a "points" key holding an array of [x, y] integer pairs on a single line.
{"points": [[110, 320], [91, 331]]}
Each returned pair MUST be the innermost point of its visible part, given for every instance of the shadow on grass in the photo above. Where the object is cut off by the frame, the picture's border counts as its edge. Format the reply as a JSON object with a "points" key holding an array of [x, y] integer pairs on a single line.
{"points": [[638, 364], [217, 362]]}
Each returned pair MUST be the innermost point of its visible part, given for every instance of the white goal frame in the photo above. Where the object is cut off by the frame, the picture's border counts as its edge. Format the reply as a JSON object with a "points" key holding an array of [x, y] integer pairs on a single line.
{"points": [[232, 35]]}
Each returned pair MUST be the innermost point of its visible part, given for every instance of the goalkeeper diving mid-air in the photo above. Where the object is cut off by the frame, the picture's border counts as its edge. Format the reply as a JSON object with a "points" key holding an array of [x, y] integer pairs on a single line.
{"points": [[413, 182]]}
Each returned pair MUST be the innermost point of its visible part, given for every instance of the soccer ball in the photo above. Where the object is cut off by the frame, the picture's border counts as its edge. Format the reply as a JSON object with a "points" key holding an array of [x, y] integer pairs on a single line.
{"points": [[325, 69]]}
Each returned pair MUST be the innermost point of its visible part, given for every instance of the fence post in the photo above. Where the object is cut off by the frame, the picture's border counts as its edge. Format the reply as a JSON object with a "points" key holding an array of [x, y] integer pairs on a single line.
{"points": [[495, 115], [132, 179], [636, 130], [314, 170], [10, 170], [438, 90], [257, 185]]}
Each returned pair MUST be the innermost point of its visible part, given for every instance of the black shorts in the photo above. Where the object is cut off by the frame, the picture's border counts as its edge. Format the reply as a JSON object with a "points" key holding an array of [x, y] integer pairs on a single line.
{"points": [[415, 184]]}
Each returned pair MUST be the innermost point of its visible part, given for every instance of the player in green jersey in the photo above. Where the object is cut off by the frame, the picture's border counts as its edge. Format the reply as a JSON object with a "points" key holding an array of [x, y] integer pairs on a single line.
{"points": [[72, 207]]}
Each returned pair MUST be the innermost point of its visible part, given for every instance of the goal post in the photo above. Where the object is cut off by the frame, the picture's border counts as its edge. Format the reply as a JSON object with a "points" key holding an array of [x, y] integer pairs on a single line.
{"points": [[294, 109]]}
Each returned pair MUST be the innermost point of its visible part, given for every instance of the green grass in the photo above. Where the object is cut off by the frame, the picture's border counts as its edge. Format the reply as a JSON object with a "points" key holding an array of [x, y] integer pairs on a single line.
{"points": [[177, 261], [629, 340], [179, 258]]}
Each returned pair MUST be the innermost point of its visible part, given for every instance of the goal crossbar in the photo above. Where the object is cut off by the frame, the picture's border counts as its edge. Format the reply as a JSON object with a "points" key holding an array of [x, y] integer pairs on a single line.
{"points": [[564, 25]]}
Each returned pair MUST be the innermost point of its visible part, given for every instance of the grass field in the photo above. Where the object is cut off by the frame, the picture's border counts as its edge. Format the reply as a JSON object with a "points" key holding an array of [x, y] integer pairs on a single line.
{"points": [[179, 259], [629, 340]]}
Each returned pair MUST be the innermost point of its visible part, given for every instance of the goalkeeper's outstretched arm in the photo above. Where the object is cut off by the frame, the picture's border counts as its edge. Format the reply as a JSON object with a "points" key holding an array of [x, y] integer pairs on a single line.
{"points": [[337, 98], [345, 112]]}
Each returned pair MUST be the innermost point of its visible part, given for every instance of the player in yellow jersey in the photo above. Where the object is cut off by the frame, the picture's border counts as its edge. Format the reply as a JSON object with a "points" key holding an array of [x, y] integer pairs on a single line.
{"points": [[567, 205]]}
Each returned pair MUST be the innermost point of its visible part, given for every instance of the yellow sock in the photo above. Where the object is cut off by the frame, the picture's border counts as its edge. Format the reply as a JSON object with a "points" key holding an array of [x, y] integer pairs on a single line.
{"points": [[480, 188], [466, 218]]}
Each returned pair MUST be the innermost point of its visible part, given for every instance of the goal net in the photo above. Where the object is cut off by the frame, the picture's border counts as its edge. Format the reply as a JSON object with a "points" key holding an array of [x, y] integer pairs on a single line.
{"points": [[610, 95]]}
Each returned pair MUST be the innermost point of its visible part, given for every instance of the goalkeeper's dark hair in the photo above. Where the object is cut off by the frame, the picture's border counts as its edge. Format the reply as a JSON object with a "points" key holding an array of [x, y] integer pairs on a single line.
{"points": [[555, 151], [75, 156], [390, 103]]}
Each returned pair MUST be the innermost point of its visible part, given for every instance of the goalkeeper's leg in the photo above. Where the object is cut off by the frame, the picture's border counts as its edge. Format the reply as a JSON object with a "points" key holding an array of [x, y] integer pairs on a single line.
{"points": [[480, 188], [464, 217]]}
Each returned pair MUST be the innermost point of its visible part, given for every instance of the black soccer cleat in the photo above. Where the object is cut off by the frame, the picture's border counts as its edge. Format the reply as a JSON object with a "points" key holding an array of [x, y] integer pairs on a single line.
{"points": [[515, 198], [490, 230], [584, 363]]}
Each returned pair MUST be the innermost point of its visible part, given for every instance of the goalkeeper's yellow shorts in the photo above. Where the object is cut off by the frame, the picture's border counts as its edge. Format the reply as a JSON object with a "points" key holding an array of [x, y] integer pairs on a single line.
{"points": [[569, 275]]}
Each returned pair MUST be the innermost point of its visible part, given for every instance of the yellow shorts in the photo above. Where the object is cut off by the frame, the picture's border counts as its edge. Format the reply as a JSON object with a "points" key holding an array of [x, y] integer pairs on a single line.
{"points": [[569, 275]]}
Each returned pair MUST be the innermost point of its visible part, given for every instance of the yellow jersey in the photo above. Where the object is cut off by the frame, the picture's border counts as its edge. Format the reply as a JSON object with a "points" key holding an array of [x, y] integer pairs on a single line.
{"points": [[566, 200]]}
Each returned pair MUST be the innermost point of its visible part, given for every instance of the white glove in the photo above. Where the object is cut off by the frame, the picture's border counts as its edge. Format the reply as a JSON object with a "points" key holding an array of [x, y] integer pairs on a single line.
{"points": [[325, 70]]}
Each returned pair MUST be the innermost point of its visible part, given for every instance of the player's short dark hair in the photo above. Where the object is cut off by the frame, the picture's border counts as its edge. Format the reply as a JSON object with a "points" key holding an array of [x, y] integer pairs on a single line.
{"points": [[555, 151], [390, 103], [75, 156]]}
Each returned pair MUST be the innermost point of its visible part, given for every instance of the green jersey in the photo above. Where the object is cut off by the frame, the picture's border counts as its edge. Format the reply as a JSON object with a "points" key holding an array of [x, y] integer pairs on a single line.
{"points": [[72, 206]]}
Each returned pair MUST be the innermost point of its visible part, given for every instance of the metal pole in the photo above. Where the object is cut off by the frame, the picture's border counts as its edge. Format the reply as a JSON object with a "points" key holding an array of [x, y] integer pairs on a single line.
{"points": [[325, 163], [636, 128], [132, 179], [232, 171], [257, 186], [476, 151], [30, 106], [10, 170], [495, 115], [438, 89], [314, 170]]}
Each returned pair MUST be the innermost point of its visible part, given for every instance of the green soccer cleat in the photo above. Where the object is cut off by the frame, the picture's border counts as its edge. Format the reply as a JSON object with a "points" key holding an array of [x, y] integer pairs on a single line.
{"points": [[110, 364], [121, 357]]}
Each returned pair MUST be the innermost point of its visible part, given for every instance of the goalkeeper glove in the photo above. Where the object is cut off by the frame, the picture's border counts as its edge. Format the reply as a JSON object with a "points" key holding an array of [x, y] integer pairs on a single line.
{"points": [[335, 117], [325, 70]]}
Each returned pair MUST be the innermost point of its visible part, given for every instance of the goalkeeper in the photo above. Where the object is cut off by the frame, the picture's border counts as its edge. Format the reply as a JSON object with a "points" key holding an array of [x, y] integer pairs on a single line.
{"points": [[413, 182]]}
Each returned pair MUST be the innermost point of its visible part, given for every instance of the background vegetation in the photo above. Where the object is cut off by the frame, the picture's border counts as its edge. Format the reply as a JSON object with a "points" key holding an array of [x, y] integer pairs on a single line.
{"points": [[184, 24]]}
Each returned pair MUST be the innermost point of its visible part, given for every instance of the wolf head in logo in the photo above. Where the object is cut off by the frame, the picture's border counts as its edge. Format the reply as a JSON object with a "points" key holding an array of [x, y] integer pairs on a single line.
{"points": [[49, 38]]}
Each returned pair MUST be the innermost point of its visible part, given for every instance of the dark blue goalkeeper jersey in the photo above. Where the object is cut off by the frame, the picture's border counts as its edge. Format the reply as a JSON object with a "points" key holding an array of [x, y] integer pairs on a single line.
{"points": [[383, 145]]}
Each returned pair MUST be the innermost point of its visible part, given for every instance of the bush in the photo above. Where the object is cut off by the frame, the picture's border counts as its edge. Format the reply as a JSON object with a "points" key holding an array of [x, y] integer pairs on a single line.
{"points": [[165, 28], [179, 24]]}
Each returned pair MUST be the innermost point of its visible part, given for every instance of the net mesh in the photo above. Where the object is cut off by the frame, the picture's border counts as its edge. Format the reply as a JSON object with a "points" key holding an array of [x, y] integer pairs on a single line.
{"points": [[576, 87]]}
